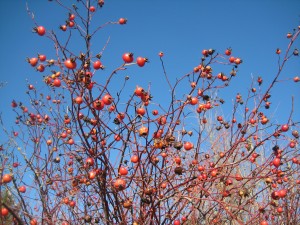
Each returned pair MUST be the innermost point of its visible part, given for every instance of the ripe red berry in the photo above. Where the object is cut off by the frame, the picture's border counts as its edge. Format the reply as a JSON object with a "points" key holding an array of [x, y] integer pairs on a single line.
{"points": [[284, 128], [276, 162], [71, 17], [97, 65], [232, 59], [56, 82], [4, 212], [40, 30], [128, 57], [33, 61], [141, 61], [42, 58], [289, 35], [122, 21], [264, 222], [205, 52], [63, 27], [228, 51], [92, 9], [176, 222]]}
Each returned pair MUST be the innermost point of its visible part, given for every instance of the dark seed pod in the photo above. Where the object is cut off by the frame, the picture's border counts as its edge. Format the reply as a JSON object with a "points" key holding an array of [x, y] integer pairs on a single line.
{"points": [[178, 145], [56, 160], [116, 121], [275, 148], [146, 200], [78, 158], [127, 204], [87, 219], [295, 133], [148, 191], [206, 97], [49, 182], [211, 51], [178, 170]]}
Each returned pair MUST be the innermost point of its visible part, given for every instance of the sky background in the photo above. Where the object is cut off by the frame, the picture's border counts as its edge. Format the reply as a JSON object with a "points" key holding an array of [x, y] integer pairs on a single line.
{"points": [[253, 29]]}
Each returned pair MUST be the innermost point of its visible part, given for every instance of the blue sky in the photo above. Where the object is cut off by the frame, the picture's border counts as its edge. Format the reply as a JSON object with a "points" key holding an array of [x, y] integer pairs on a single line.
{"points": [[254, 29], [181, 29]]}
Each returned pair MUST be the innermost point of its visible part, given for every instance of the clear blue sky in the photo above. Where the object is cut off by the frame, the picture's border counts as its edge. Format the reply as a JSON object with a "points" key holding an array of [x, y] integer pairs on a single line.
{"points": [[181, 29]]}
